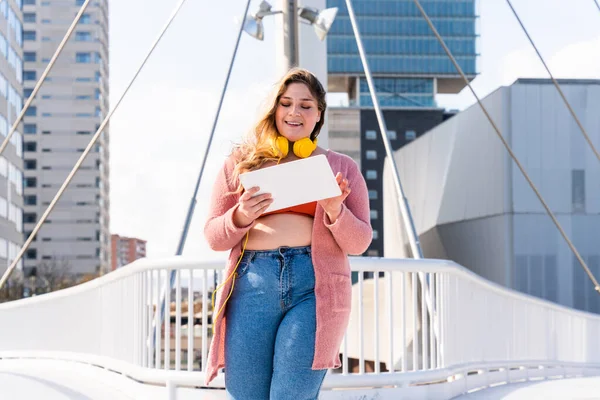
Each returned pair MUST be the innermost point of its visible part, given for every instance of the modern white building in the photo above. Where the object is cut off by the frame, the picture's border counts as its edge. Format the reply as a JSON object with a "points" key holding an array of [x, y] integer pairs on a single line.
{"points": [[11, 104], [471, 204]]}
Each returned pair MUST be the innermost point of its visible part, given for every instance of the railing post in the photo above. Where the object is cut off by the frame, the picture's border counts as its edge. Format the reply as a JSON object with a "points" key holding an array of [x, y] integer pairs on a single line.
{"points": [[171, 390]]}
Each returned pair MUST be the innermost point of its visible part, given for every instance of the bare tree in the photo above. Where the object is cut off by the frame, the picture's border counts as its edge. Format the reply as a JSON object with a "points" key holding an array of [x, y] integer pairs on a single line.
{"points": [[53, 274], [13, 289]]}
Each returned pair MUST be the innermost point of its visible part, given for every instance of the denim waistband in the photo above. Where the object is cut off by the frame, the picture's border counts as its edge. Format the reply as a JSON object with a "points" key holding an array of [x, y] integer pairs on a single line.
{"points": [[280, 251]]}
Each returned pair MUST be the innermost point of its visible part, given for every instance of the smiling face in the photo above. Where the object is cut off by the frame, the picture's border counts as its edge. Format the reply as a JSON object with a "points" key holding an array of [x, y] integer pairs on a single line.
{"points": [[297, 112]]}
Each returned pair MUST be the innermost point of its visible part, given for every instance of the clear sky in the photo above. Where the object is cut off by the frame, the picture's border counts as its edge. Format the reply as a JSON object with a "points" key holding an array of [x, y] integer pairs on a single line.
{"points": [[159, 134]]}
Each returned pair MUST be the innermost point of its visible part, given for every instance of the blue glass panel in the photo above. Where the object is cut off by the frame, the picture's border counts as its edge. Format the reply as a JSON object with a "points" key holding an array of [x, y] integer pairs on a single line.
{"points": [[402, 26], [405, 65], [440, 8], [400, 46], [393, 85], [398, 101]]}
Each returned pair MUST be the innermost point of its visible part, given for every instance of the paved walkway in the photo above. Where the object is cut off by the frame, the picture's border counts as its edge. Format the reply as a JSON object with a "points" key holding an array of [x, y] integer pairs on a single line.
{"points": [[63, 380], [559, 389]]}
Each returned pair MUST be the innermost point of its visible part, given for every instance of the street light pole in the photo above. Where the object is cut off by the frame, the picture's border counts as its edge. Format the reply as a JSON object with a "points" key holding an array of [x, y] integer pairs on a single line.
{"points": [[290, 33]]}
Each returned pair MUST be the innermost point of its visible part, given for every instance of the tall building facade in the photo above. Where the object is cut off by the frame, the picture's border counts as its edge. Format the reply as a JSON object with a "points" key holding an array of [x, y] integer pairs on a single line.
{"points": [[409, 68], [11, 104], [67, 111], [126, 250]]}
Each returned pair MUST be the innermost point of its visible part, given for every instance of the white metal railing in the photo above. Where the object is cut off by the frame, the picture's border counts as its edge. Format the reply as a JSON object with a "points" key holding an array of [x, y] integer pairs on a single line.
{"points": [[486, 334]]}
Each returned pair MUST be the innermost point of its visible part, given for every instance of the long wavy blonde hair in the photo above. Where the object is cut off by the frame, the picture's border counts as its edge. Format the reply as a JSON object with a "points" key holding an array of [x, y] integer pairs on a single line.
{"points": [[257, 147]]}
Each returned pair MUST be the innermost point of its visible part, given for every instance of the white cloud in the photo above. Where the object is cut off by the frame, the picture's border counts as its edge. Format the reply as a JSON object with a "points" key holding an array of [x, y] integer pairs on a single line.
{"points": [[576, 61], [579, 60]]}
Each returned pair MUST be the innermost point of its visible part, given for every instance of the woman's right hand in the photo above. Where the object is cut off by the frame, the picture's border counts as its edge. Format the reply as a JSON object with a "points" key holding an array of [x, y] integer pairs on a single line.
{"points": [[251, 207]]}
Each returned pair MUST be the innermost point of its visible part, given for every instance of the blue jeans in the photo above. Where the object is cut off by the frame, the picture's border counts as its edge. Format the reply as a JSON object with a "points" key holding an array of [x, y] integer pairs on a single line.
{"points": [[271, 324]]}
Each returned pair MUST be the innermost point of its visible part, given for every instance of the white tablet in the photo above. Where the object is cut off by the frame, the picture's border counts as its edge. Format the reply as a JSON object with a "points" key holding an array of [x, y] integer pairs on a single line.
{"points": [[295, 182]]}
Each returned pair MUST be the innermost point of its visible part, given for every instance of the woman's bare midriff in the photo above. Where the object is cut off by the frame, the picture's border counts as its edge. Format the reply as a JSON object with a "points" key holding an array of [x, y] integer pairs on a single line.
{"points": [[276, 230]]}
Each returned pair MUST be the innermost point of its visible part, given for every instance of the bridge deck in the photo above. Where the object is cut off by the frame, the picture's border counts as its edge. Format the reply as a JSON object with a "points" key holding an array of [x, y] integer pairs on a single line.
{"points": [[28, 379]]}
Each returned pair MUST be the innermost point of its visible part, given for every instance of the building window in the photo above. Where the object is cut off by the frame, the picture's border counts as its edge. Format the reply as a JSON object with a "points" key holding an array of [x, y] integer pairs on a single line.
{"points": [[375, 234], [31, 254], [29, 35], [28, 17], [30, 129], [30, 200], [371, 135], [392, 135], [371, 154], [373, 194], [83, 58], [30, 164], [29, 2], [373, 253], [30, 56], [374, 214], [83, 133], [30, 182], [410, 135], [371, 174], [578, 190], [29, 75], [85, 19], [27, 93], [30, 146], [31, 111], [83, 37], [29, 217]]}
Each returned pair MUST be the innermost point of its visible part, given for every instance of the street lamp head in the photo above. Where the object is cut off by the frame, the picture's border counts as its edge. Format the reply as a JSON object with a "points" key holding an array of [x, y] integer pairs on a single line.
{"points": [[253, 23], [321, 20], [253, 26]]}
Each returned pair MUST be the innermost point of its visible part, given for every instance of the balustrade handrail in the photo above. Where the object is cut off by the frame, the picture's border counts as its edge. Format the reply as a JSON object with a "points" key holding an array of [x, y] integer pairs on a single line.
{"points": [[111, 354], [357, 264]]}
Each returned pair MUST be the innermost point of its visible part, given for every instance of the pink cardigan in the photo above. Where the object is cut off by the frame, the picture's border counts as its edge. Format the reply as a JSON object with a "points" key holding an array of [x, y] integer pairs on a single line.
{"points": [[331, 244]]}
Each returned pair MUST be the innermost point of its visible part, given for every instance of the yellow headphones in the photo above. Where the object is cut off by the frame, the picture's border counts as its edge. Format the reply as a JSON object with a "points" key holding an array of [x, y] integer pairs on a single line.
{"points": [[302, 148]]}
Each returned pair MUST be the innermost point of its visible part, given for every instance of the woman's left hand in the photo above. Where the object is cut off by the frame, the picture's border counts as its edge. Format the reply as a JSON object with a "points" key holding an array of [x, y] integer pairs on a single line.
{"points": [[333, 205]]}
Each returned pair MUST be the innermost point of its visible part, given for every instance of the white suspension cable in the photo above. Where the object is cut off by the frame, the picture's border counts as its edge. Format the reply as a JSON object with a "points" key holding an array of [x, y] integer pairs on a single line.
{"points": [[597, 4], [583, 131], [86, 151], [44, 75], [508, 148], [409, 226]]}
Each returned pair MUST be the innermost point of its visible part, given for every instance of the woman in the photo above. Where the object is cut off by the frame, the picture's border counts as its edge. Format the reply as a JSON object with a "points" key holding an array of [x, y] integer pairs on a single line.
{"points": [[288, 289]]}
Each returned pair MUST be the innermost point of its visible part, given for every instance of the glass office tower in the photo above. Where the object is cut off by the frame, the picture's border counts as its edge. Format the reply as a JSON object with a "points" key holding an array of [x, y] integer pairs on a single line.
{"points": [[408, 63]]}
